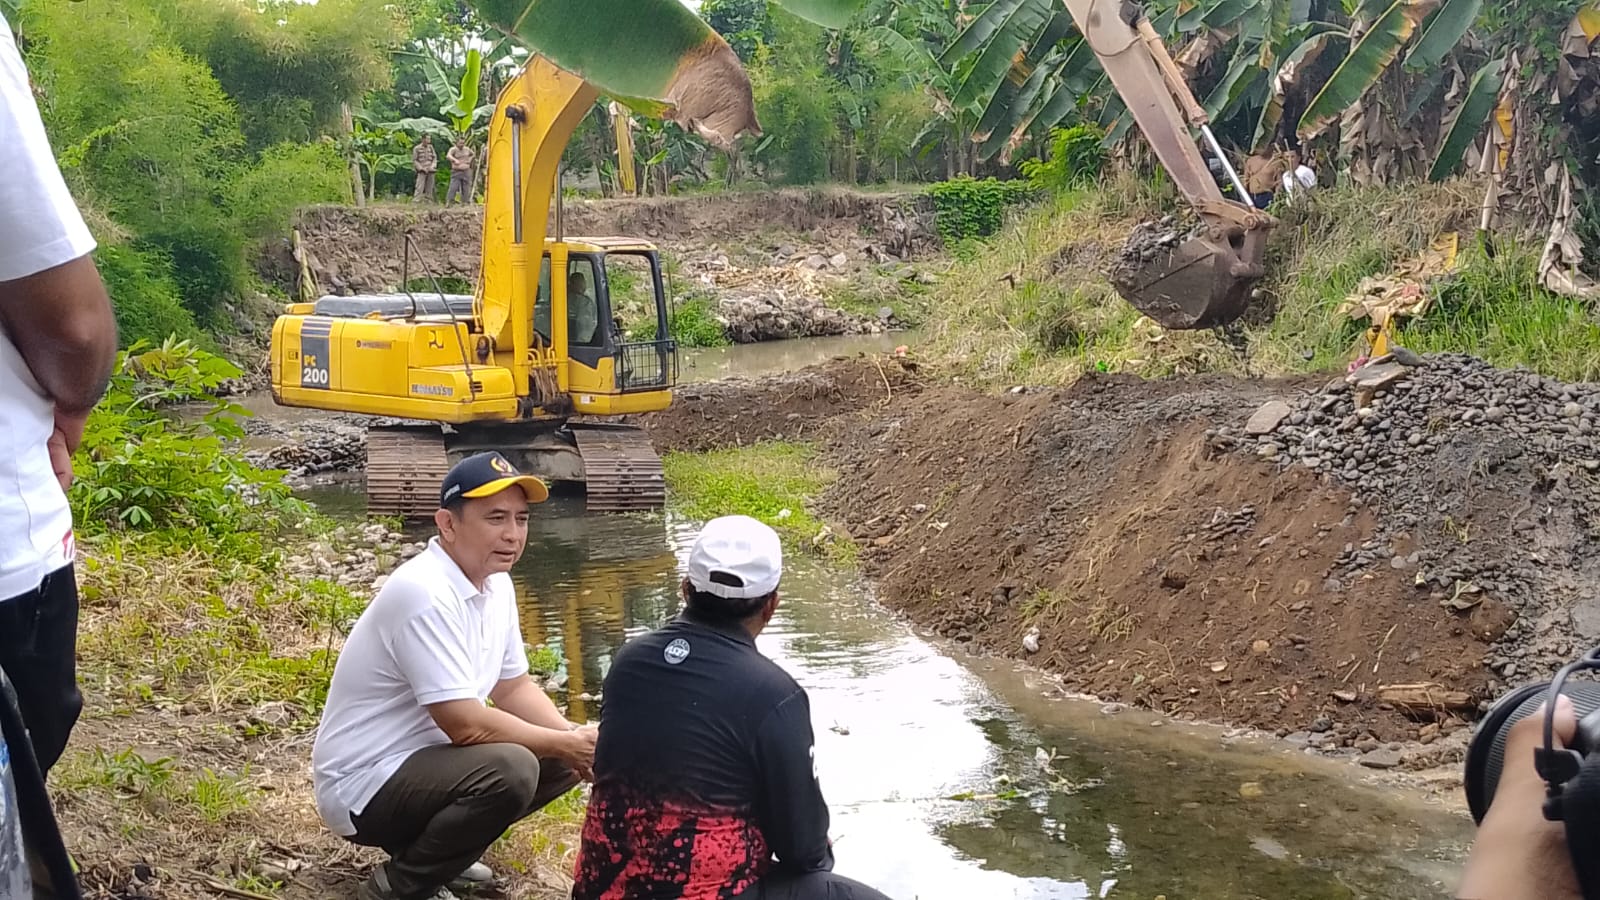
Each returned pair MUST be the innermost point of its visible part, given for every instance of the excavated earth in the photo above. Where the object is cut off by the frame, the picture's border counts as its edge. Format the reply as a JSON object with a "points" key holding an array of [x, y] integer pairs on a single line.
{"points": [[1252, 552], [355, 250]]}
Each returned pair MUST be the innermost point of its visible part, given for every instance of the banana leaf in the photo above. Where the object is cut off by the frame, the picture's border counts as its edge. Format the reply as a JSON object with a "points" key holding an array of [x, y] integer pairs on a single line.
{"points": [[1001, 54], [466, 99], [674, 65], [1441, 33], [827, 13], [982, 29], [1227, 12], [1309, 42], [1244, 73], [1470, 118], [1279, 13], [1011, 101], [1365, 64], [1424, 92]]}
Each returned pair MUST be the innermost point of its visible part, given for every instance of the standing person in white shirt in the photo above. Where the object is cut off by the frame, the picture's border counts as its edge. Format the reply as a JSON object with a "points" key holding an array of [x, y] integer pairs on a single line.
{"points": [[409, 757], [58, 342]]}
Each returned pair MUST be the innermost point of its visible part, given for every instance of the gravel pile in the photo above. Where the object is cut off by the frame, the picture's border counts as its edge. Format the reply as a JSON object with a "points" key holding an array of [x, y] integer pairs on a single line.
{"points": [[1488, 479], [341, 449]]}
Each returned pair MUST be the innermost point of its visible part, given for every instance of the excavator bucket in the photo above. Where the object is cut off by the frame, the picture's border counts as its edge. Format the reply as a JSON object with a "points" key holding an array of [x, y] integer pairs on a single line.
{"points": [[1202, 282]]}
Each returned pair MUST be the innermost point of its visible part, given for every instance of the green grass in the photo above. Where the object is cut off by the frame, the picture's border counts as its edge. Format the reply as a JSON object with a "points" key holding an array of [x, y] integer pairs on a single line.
{"points": [[157, 783], [1032, 304], [693, 323], [773, 482]]}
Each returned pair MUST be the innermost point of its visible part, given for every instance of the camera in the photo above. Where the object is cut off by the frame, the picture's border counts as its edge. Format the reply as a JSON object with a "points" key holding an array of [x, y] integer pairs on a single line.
{"points": [[1571, 774]]}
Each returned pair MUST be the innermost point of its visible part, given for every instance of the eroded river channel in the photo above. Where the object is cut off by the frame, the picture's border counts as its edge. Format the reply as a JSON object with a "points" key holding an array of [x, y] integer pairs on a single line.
{"points": [[957, 777]]}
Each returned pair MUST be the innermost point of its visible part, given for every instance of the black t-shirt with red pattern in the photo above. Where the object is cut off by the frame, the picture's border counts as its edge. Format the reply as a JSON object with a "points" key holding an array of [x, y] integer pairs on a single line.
{"points": [[704, 772]]}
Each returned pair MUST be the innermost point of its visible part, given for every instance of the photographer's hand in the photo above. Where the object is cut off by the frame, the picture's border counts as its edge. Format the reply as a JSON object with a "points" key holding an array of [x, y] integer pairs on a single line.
{"points": [[1517, 855]]}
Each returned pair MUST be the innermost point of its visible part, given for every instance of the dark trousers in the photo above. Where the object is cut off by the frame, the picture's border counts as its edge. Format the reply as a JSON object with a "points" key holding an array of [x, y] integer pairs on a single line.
{"points": [[813, 886], [38, 650], [460, 187], [446, 805]]}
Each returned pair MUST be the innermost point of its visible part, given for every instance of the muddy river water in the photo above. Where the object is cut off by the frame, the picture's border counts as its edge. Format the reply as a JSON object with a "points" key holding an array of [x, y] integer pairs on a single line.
{"points": [[956, 777], [952, 776]]}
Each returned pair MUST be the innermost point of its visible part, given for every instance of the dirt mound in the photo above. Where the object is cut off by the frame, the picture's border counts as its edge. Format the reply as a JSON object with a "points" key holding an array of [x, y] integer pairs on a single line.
{"points": [[793, 406], [355, 250], [1486, 481], [1149, 563]]}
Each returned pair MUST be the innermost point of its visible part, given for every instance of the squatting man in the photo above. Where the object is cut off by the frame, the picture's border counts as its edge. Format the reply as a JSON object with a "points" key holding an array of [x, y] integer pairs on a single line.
{"points": [[409, 757]]}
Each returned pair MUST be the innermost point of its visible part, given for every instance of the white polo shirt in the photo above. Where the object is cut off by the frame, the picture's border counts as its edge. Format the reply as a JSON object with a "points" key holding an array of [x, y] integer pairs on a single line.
{"points": [[40, 228], [429, 636]]}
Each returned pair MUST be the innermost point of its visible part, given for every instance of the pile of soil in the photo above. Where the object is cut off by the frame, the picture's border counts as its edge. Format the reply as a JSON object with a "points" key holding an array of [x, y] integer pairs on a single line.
{"points": [[1486, 480], [1149, 560], [360, 249]]}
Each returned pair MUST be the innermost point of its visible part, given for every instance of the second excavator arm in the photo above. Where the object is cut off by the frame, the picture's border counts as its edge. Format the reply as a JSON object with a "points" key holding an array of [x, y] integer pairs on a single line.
{"points": [[1206, 280]]}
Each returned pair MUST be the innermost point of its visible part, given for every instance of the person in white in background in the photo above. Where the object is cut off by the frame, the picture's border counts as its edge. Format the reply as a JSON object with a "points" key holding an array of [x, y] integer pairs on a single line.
{"points": [[1302, 180], [58, 342]]}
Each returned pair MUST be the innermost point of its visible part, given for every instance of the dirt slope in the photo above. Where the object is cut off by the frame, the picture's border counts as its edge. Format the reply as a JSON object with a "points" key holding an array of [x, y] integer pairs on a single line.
{"points": [[361, 249], [1158, 568]]}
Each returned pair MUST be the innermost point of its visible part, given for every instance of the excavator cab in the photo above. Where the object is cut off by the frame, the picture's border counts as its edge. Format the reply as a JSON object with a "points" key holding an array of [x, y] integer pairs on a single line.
{"points": [[610, 292]]}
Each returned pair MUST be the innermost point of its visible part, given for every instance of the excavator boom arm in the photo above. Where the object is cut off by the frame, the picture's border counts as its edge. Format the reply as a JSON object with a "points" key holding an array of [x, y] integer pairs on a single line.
{"points": [[1206, 280]]}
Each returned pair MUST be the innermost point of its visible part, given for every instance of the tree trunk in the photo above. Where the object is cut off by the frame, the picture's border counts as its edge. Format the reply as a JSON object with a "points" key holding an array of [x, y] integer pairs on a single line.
{"points": [[356, 181]]}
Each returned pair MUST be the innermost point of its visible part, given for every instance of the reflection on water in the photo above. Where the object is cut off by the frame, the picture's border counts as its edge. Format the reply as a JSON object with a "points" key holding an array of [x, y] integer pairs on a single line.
{"points": [[750, 360], [933, 773]]}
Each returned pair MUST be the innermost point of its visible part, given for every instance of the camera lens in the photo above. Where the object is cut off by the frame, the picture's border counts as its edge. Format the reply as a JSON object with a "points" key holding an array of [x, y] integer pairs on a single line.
{"points": [[1486, 754]]}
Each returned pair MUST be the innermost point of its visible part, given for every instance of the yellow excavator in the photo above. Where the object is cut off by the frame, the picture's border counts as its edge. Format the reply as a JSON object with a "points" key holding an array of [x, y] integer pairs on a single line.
{"points": [[510, 367], [523, 363]]}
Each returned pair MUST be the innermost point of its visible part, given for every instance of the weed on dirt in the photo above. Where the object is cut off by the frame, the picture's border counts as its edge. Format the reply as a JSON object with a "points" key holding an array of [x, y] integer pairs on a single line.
{"points": [[190, 769], [774, 482], [1032, 305]]}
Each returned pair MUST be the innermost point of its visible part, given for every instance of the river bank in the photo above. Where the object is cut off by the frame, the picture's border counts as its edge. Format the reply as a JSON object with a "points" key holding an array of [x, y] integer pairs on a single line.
{"points": [[1148, 544], [188, 775]]}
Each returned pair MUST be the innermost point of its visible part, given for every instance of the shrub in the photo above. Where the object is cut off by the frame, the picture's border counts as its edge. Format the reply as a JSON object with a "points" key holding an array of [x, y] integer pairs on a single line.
{"points": [[140, 468], [967, 207], [1076, 158], [693, 323], [144, 295], [285, 178]]}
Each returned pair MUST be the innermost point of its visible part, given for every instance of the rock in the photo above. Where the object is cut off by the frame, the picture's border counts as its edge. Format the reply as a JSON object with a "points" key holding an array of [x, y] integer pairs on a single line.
{"points": [[885, 314], [1374, 376], [1381, 759], [1259, 647], [1030, 641], [1321, 725], [814, 262], [1572, 410], [1267, 419], [1345, 696], [839, 261]]}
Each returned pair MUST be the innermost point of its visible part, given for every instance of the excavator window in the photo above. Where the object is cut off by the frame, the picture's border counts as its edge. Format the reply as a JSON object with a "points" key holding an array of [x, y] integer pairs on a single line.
{"points": [[583, 307], [541, 306]]}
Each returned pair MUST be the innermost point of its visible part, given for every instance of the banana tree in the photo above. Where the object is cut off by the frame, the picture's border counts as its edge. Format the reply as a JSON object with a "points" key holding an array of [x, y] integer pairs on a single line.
{"points": [[459, 111]]}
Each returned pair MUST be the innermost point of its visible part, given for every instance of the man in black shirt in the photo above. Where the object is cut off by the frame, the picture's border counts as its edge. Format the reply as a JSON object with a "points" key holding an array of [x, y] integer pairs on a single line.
{"points": [[705, 781]]}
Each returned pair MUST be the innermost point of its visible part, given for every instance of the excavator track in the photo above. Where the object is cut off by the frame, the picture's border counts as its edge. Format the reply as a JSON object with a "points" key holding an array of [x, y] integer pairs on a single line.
{"points": [[622, 471], [405, 467]]}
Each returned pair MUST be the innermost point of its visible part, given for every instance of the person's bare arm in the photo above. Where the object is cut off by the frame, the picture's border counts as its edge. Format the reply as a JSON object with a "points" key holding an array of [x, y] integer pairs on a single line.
{"points": [[1517, 854], [61, 322], [528, 702], [468, 722]]}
